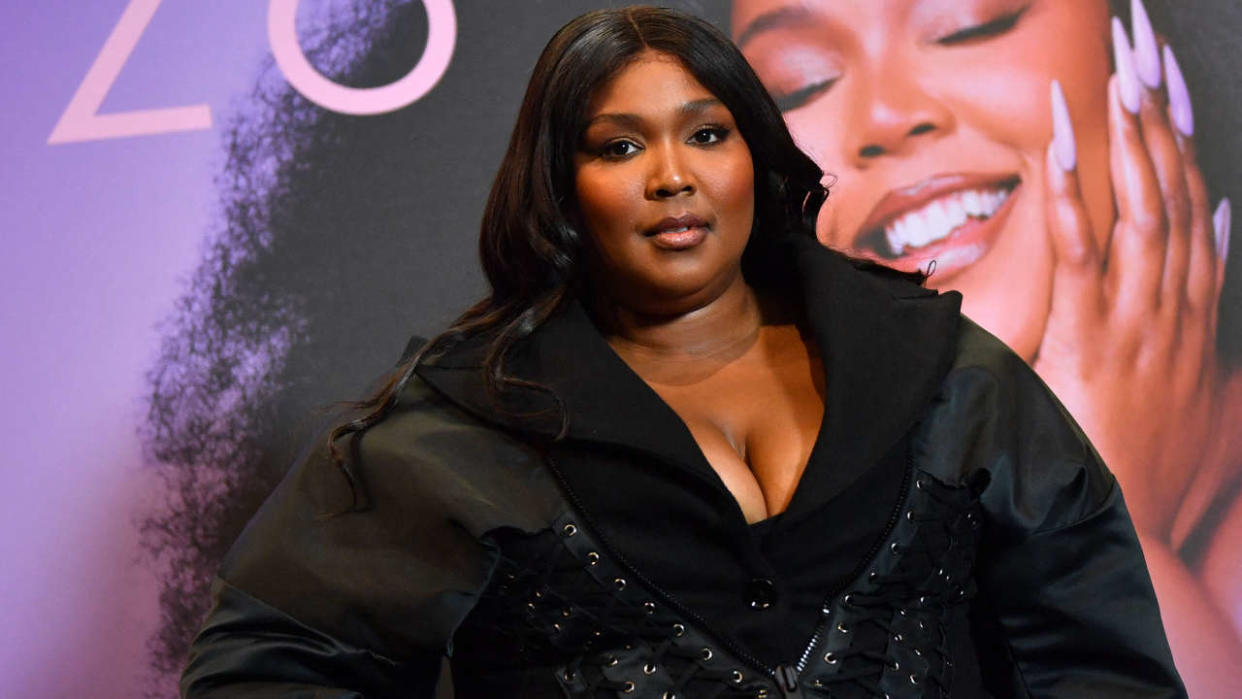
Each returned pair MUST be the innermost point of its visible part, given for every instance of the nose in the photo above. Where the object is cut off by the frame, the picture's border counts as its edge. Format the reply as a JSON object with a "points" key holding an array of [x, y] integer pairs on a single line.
{"points": [[891, 114], [670, 174]]}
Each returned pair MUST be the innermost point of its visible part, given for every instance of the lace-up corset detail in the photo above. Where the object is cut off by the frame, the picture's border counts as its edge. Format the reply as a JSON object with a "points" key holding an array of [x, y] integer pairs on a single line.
{"points": [[560, 604], [561, 617], [891, 637]]}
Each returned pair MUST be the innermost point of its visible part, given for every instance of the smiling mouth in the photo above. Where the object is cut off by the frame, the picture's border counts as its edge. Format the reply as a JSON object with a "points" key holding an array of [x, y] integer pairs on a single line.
{"points": [[919, 230]]}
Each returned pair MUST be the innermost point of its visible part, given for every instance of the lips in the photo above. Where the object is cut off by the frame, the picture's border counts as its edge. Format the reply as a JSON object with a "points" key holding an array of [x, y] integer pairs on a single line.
{"points": [[678, 232], [675, 224], [952, 219]]}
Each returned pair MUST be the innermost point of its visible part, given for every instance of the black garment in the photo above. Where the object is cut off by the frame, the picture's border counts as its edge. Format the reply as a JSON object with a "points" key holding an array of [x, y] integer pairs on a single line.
{"points": [[961, 537]]}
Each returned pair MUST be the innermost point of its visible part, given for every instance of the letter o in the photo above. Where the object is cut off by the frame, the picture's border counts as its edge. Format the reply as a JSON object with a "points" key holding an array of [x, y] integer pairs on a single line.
{"points": [[283, 36]]}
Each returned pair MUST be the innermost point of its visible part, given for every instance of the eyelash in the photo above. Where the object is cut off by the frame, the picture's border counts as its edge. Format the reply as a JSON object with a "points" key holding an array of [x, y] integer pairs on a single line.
{"points": [[995, 27], [607, 151], [792, 100]]}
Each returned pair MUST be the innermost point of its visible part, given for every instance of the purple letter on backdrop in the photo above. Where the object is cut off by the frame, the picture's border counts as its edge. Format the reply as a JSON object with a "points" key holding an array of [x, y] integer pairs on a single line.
{"points": [[82, 120], [441, 36]]}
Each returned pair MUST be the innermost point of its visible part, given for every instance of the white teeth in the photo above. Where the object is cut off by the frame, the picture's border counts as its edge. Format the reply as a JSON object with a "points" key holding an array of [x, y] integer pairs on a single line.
{"points": [[941, 216], [676, 230]]}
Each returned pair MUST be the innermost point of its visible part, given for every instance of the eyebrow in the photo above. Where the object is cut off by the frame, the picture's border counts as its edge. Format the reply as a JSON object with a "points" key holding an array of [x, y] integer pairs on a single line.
{"points": [[776, 19], [633, 120]]}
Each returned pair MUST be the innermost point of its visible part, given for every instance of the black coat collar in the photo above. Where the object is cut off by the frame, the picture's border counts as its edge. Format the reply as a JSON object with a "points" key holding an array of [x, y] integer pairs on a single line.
{"points": [[886, 345]]}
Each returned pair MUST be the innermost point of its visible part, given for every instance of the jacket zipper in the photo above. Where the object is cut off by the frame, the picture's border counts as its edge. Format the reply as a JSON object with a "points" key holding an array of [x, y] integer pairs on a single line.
{"points": [[826, 610], [785, 676]]}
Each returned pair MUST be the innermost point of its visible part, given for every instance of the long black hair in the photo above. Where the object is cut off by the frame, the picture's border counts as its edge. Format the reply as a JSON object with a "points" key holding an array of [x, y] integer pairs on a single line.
{"points": [[532, 255]]}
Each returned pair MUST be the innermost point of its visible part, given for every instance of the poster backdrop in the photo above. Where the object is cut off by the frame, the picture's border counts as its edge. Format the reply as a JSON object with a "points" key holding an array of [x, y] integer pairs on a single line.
{"points": [[220, 217]]}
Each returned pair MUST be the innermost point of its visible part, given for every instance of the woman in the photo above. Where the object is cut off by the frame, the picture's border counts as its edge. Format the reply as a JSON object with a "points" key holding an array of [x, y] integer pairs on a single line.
{"points": [[668, 456], [1100, 259]]}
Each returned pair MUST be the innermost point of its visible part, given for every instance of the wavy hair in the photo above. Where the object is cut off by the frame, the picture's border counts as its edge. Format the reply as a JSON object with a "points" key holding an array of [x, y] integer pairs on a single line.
{"points": [[533, 256]]}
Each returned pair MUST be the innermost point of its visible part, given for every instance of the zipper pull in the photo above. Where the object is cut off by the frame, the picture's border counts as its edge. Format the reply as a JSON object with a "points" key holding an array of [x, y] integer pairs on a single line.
{"points": [[787, 682]]}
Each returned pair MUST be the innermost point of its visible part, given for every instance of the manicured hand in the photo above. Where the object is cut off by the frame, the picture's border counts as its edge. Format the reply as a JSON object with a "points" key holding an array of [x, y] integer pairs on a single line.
{"points": [[1130, 343]]}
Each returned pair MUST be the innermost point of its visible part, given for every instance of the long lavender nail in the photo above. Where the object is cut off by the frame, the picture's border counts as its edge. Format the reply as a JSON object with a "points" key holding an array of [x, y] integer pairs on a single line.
{"points": [[1146, 50], [1127, 82], [1062, 130], [1222, 221], [1179, 96]]}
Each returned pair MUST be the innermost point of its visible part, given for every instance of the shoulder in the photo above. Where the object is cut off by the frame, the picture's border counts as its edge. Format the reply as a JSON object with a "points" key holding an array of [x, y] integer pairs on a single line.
{"points": [[993, 414], [431, 450]]}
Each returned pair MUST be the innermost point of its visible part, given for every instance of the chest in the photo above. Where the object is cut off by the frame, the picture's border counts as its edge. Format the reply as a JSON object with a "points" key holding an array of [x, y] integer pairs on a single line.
{"points": [[756, 422]]}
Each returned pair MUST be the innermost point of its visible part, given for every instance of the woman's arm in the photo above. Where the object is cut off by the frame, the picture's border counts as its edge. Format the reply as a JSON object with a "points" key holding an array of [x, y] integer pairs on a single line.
{"points": [[1076, 608], [360, 603], [1062, 581], [249, 649]]}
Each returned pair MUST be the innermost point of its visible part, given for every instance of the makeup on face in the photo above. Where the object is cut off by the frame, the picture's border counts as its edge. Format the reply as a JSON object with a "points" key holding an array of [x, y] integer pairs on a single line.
{"points": [[664, 185], [932, 119]]}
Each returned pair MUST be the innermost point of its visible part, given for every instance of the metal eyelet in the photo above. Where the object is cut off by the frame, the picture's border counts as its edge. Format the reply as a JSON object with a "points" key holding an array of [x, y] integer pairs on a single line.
{"points": [[894, 666], [679, 630], [707, 654], [914, 680], [736, 677], [898, 638], [592, 558], [569, 529], [556, 628], [567, 675], [872, 576], [830, 658], [668, 695], [650, 607], [619, 583], [566, 612], [893, 547], [629, 687], [918, 652], [909, 515], [843, 628], [612, 661], [848, 599], [649, 669], [920, 484]]}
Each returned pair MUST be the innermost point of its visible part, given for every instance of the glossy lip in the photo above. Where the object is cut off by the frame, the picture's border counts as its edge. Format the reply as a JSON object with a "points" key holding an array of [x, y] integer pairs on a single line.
{"points": [[968, 242], [662, 235], [672, 222]]}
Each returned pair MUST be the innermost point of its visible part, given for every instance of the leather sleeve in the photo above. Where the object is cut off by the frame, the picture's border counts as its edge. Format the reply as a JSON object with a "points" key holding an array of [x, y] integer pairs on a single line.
{"points": [[360, 604], [1059, 570]]}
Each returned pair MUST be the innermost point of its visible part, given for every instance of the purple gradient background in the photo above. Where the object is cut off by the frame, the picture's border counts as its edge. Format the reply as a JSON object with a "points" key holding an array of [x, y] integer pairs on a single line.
{"points": [[98, 240]]}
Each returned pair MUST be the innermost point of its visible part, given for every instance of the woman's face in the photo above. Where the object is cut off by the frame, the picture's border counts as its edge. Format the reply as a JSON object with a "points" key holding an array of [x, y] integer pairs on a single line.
{"points": [[934, 118], [665, 189]]}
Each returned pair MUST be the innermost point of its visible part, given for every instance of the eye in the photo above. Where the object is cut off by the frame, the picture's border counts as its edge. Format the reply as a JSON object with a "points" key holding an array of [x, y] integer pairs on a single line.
{"points": [[983, 31], [709, 135], [792, 100], [618, 150]]}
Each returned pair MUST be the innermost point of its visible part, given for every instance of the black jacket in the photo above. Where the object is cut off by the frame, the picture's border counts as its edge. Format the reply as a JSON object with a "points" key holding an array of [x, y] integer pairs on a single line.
{"points": [[1001, 561]]}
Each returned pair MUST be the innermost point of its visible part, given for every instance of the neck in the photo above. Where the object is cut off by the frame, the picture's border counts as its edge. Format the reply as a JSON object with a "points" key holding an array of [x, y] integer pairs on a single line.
{"points": [[721, 329]]}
